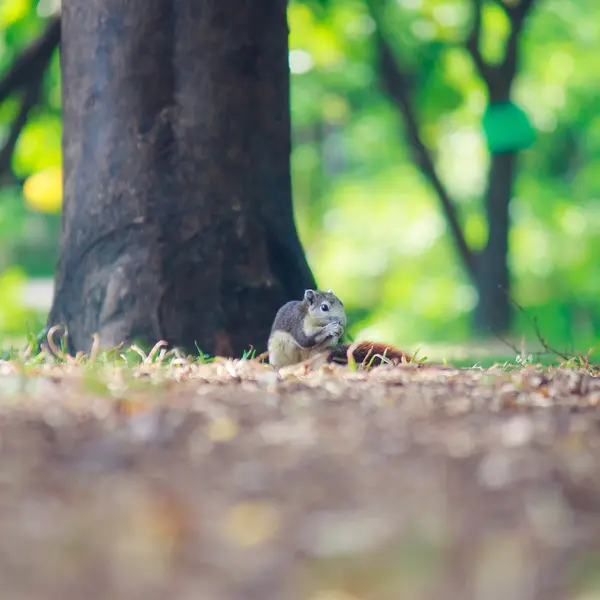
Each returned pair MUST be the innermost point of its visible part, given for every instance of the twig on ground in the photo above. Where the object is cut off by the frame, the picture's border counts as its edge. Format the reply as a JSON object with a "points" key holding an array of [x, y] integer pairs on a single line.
{"points": [[52, 346], [536, 327], [505, 341]]}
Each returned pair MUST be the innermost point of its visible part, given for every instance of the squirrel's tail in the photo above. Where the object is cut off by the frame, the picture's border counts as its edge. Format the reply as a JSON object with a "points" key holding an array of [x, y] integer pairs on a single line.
{"points": [[368, 354]]}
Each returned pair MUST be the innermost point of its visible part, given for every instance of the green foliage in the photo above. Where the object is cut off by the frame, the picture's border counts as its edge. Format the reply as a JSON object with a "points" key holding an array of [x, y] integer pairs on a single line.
{"points": [[28, 238], [367, 217], [370, 222], [507, 128], [14, 318]]}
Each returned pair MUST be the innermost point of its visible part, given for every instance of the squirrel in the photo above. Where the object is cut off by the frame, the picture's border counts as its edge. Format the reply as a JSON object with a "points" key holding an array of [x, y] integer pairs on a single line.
{"points": [[305, 328]]}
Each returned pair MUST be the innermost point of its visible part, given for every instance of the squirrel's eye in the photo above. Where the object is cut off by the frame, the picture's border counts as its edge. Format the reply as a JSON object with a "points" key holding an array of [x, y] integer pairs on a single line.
{"points": [[324, 307]]}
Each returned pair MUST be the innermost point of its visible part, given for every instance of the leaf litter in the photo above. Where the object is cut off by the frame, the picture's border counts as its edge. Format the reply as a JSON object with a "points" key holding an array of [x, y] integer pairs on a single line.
{"points": [[228, 480]]}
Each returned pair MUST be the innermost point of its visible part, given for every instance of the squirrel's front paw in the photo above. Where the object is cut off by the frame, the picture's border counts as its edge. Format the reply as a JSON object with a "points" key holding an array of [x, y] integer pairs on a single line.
{"points": [[334, 329]]}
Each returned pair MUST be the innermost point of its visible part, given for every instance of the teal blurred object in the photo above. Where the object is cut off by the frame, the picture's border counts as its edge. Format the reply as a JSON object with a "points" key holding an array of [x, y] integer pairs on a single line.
{"points": [[507, 128]]}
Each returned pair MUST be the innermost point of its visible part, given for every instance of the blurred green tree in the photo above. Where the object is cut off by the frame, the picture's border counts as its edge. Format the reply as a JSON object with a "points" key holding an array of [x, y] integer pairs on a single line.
{"points": [[508, 131], [385, 248]]}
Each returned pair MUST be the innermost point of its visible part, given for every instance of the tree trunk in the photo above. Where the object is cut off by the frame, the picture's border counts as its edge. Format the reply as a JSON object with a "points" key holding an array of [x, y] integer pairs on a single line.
{"points": [[493, 310], [177, 216]]}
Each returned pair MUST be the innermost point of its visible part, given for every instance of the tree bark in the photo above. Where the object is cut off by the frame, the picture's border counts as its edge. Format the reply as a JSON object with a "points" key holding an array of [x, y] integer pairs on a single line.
{"points": [[493, 280], [177, 215]]}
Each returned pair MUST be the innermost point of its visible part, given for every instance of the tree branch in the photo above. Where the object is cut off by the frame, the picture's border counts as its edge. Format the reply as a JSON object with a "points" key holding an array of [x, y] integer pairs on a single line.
{"points": [[32, 59], [395, 83], [498, 78], [27, 72], [472, 43], [30, 98], [516, 15]]}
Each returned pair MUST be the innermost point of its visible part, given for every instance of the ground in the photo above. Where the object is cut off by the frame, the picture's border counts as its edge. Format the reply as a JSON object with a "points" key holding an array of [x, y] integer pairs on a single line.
{"points": [[228, 481]]}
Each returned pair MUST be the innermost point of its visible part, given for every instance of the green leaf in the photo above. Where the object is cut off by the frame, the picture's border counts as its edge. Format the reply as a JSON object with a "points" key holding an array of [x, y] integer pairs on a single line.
{"points": [[507, 128]]}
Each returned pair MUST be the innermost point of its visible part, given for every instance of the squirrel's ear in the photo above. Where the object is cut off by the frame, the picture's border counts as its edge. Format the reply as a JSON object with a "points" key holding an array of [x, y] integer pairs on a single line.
{"points": [[329, 291], [309, 296]]}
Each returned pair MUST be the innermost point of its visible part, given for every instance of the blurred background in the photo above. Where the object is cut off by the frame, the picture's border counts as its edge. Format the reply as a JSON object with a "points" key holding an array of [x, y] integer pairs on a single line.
{"points": [[398, 116]]}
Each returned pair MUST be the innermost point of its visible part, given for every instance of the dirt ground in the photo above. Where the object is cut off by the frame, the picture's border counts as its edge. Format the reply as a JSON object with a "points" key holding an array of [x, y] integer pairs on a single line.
{"points": [[227, 481]]}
